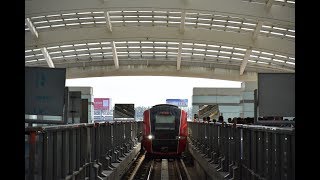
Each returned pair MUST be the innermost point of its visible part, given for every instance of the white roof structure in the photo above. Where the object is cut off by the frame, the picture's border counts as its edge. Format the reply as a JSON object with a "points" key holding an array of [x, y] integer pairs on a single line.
{"points": [[220, 39]]}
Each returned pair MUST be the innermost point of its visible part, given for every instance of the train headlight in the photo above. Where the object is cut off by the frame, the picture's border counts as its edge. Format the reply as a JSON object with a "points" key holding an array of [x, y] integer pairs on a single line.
{"points": [[150, 136], [180, 137]]}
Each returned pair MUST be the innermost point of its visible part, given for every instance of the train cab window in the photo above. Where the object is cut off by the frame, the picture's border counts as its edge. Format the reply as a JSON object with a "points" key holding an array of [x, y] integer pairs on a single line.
{"points": [[165, 122]]}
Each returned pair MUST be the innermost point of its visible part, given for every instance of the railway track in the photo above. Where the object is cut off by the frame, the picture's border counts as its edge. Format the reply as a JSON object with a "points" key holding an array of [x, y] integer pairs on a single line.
{"points": [[147, 168]]}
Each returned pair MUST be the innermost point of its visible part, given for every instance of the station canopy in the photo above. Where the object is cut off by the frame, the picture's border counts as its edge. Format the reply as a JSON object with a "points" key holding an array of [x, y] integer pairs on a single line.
{"points": [[222, 39]]}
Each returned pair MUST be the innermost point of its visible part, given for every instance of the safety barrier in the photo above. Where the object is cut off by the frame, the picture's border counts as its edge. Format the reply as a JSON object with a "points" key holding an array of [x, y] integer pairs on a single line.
{"points": [[246, 151], [78, 151]]}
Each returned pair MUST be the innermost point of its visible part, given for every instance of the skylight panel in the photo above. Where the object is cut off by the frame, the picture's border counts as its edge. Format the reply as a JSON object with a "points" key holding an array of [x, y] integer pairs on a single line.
{"points": [[197, 54], [84, 13], [79, 44], [64, 46], [226, 47], [82, 49], [69, 14], [55, 20], [92, 44], [239, 54], [261, 62], [249, 24], [238, 59], [37, 17], [55, 52], [92, 49], [266, 58], [248, 29], [224, 57], [42, 27], [214, 51], [225, 52], [211, 55], [234, 22], [278, 28], [219, 20], [233, 27], [288, 35], [40, 22], [266, 53], [71, 19], [31, 61], [29, 56], [264, 26], [73, 24], [211, 45], [81, 55], [196, 44], [85, 18], [292, 63], [73, 55], [278, 55], [276, 33], [277, 60], [87, 23], [199, 49], [54, 15], [58, 25], [203, 24]]}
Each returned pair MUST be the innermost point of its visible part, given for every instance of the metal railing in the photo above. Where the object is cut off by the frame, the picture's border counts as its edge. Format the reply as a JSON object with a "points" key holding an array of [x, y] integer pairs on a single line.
{"points": [[78, 151], [246, 151]]}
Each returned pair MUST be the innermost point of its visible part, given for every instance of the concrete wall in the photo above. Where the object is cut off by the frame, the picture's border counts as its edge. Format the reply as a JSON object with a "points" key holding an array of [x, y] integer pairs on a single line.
{"points": [[86, 93], [232, 102]]}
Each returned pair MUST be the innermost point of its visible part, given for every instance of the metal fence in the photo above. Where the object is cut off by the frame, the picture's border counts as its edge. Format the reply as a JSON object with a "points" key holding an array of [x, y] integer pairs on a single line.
{"points": [[77, 151], [246, 151]]}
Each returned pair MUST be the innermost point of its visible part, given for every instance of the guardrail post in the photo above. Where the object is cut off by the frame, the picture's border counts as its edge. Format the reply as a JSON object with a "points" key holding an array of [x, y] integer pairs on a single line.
{"points": [[276, 157], [260, 153]]}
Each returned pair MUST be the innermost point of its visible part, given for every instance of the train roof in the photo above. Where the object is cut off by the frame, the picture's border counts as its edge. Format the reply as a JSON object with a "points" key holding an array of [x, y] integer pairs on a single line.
{"points": [[158, 105]]}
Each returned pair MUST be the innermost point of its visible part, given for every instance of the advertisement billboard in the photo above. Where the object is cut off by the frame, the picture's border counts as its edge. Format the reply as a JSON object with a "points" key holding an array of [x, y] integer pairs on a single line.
{"points": [[178, 102], [101, 104]]}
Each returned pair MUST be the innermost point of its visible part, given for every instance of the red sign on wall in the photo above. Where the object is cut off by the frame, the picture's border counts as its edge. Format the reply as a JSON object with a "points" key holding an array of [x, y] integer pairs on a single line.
{"points": [[101, 103]]}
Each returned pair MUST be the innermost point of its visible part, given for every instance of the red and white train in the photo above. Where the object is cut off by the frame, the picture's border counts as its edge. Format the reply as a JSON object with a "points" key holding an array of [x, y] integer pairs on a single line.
{"points": [[165, 130]]}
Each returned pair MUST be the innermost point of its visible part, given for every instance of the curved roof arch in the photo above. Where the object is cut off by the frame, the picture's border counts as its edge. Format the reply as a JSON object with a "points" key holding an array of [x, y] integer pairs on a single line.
{"points": [[220, 39]]}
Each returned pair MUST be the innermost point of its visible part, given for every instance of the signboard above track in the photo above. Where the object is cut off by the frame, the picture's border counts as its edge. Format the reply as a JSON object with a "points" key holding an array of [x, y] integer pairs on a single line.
{"points": [[178, 102]]}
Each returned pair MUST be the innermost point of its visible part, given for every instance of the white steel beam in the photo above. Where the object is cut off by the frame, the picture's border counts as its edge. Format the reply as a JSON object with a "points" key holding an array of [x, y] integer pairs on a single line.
{"points": [[98, 34], [245, 61], [269, 4], [243, 9], [107, 16], [179, 56], [257, 30], [158, 70], [32, 28], [47, 57], [115, 55], [183, 20]]}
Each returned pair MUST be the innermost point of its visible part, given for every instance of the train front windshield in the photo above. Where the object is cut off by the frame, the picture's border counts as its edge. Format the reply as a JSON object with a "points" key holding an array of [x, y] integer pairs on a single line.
{"points": [[165, 122]]}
